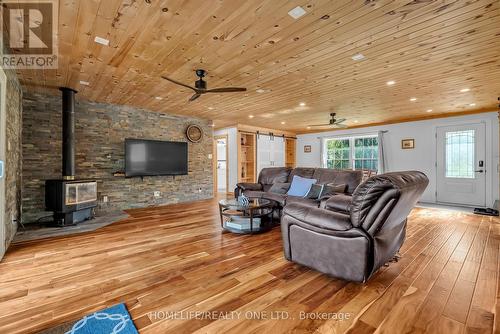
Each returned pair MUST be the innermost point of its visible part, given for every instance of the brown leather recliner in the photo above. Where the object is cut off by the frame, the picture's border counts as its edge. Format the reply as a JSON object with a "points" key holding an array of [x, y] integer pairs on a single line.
{"points": [[353, 236]]}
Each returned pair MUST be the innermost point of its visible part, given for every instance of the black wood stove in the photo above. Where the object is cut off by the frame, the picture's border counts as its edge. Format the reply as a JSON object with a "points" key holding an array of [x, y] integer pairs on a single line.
{"points": [[72, 201]]}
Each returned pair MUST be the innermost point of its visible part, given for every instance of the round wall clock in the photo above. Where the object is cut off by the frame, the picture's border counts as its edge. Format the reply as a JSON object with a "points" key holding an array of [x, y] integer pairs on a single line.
{"points": [[194, 133]]}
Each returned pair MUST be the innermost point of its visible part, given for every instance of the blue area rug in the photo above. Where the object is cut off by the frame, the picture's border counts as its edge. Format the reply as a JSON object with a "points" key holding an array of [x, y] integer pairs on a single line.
{"points": [[113, 320]]}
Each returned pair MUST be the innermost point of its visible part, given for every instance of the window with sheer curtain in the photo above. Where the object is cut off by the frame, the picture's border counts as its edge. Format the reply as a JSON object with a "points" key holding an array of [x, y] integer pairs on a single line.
{"points": [[351, 153]]}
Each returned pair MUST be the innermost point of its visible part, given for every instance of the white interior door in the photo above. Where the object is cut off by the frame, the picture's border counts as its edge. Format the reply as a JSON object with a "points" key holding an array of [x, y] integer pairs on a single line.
{"points": [[461, 165], [3, 83], [278, 152], [264, 154], [221, 165]]}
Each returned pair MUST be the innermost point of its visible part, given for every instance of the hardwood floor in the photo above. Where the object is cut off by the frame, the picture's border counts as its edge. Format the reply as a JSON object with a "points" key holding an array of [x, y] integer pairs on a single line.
{"points": [[175, 259]]}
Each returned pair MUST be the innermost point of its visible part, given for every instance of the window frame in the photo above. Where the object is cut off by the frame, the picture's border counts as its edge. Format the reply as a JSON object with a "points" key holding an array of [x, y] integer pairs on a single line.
{"points": [[352, 157]]}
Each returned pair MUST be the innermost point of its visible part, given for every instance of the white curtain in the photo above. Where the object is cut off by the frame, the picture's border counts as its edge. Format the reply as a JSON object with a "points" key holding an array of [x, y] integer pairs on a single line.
{"points": [[382, 165], [322, 152]]}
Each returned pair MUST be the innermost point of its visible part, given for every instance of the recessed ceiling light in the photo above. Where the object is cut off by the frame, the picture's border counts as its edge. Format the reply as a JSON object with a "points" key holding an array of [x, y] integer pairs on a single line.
{"points": [[429, 110], [472, 104], [464, 90], [85, 83], [260, 90], [302, 104], [358, 57], [212, 125], [390, 82], [297, 12], [356, 121], [159, 98], [101, 40], [210, 108], [308, 128], [250, 116], [413, 99], [282, 122]]}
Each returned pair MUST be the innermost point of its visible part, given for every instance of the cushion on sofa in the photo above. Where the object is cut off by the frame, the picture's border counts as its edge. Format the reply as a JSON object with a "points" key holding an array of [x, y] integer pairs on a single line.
{"points": [[331, 189], [305, 172], [315, 191], [352, 178], [280, 198], [300, 186], [269, 176], [339, 203], [302, 200], [279, 188]]}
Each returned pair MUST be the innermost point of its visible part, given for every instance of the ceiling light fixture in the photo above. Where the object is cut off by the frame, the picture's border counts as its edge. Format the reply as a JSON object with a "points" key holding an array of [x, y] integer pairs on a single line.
{"points": [[472, 104], [101, 40], [308, 128], [159, 98], [358, 57], [297, 12], [413, 99], [464, 90], [356, 121], [390, 82], [283, 123], [210, 108], [250, 116], [260, 90], [302, 104], [429, 110], [85, 83]]}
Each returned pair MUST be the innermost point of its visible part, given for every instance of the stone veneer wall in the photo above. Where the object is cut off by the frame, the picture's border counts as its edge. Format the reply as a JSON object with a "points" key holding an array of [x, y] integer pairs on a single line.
{"points": [[13, 155], [100, 133]]}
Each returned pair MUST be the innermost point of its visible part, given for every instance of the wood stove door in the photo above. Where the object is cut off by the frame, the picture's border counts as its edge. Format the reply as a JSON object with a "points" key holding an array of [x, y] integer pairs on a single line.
{"points": [[3, 221]]}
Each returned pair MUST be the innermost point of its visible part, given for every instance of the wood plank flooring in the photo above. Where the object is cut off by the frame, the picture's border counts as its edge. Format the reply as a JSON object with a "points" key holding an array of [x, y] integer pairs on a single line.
{"points": [[173, 261]]}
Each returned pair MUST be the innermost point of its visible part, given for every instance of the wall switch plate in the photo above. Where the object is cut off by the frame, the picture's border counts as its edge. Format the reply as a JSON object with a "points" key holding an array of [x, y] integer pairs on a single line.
{"points": [[105, 199], [210, 156], [157, 194]]}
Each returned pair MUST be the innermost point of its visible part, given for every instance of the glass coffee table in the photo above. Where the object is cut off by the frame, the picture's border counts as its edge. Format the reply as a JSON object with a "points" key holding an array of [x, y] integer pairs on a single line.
{"points": [[256, 217]]}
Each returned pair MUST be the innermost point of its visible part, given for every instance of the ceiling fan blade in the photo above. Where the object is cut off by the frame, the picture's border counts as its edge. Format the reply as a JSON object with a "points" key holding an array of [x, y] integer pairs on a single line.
{"points": [[340, 120], [226, 90], [194, 97], [179, 83]]}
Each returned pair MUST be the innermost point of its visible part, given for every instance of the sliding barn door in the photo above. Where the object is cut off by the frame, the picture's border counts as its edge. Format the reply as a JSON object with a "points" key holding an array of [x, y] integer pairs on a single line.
{"points": [[263, 152], [270, 152]]}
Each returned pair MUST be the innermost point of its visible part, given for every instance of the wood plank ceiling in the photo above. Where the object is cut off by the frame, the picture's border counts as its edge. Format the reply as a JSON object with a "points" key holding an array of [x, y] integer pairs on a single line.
{"points": [[431, 49]]}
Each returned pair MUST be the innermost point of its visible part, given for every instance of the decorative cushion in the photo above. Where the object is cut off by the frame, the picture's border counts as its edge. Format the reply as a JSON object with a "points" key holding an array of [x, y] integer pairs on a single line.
{"points": [[300, 186], [331, 189], [315, 191], [279, 188]]}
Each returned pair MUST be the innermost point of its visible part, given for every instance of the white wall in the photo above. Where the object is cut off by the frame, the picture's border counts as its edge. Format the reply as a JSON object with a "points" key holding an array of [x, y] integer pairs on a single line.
{"points": [[423, 157], [232, 159]]}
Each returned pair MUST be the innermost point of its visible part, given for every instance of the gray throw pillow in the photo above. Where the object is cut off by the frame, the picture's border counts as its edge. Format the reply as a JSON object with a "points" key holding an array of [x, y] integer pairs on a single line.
{"points": [[279, 188], [331, 189], [315, 191]]}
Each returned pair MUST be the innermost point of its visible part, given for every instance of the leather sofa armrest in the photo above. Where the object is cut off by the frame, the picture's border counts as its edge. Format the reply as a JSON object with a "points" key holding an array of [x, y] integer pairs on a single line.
{"points": [[249, 186], [340, 203], [321, 218]]}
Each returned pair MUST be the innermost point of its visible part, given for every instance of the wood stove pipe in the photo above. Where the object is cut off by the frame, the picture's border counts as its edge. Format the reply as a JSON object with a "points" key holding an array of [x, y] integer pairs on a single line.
{"points": [[68, 133]]}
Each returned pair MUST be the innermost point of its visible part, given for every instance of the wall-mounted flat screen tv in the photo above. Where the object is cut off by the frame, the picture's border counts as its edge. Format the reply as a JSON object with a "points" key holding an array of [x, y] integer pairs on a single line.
{"points": [[154, 157]]}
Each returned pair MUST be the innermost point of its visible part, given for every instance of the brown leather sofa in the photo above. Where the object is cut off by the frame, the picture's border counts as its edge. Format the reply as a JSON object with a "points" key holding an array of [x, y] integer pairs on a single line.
{"points": [[283, 176], [353, 236]]}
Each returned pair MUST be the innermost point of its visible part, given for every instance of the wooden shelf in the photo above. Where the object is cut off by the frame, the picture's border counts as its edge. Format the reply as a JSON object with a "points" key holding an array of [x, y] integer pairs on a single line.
{"points": [[246, 157]]}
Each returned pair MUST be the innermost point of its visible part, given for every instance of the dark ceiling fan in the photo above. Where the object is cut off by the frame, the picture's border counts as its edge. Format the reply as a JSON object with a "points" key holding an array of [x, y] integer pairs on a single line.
{"points": [[334, 122], [200, 86]]}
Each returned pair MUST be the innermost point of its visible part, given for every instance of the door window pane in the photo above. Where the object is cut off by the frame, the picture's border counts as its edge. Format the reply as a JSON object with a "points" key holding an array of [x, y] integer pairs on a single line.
{"points": [[460, 154]]}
